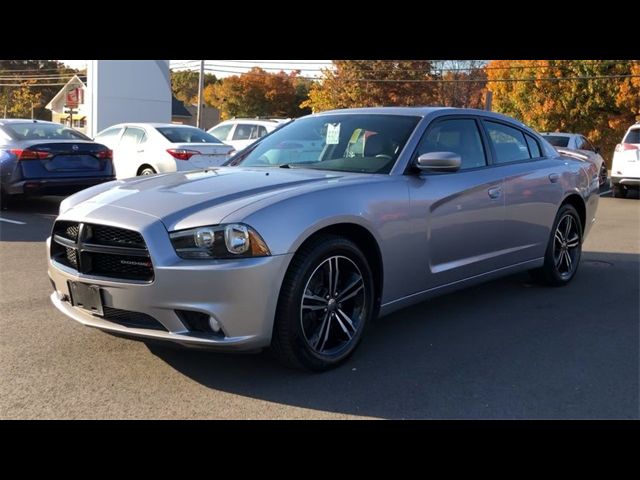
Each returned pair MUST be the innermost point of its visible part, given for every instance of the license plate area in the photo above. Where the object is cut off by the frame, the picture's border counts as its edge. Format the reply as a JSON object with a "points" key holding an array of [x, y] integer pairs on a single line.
{"points": [[85, 296]]}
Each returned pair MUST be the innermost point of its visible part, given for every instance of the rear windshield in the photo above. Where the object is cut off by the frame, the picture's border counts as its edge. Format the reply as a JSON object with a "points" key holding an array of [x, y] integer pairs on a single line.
{"points": [[633, 136], [187, 135], [42, 131], [556, 140]]}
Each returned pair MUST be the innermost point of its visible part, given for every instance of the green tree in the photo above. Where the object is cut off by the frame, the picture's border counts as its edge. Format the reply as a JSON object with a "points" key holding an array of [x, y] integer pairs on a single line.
{"points": [[26, 83], [599, 108], [370, 83], [184, 85]]}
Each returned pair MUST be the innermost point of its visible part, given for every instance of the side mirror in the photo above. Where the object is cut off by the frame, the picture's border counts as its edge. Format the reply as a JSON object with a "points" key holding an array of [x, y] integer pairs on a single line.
{"points": [[439, 162], [597, 150]]}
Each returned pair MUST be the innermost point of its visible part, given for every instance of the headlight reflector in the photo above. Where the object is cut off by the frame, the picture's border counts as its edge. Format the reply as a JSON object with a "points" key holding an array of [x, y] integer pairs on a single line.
{"points": [[220, 241]]}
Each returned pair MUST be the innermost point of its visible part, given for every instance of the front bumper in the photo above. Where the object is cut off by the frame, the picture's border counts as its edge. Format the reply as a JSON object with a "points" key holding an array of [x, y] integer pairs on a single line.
{"points": [[241, 294], [628, 181], [55, 186]]}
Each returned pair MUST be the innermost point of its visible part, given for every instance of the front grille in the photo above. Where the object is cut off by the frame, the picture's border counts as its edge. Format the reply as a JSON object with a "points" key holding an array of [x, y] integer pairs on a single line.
{"points": [[121, 266], [101, 250], [128, 318], [105, 235], [71, 257]]}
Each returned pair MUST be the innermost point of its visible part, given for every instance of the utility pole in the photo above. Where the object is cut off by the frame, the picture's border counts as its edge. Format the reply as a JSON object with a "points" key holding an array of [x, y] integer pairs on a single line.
{"points": [[488, 100], [200, 88]]}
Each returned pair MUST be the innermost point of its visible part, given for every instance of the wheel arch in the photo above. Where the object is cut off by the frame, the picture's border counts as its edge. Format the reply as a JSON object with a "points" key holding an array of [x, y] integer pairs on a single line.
{"points": [[577, 202], [145, 165], [368, 244]]}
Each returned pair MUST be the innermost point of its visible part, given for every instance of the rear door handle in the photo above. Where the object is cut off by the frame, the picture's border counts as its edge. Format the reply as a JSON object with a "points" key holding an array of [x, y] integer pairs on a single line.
{"points": [[141, 151], [495, 192], [554, 177]]}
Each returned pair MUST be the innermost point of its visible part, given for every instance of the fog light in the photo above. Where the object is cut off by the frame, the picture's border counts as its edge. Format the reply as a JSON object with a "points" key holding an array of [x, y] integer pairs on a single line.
{"points": [[214, 324]]}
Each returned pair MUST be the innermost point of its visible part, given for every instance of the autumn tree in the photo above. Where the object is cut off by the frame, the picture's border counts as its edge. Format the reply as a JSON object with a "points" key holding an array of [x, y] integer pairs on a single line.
{"points": [[26, 86], [370, 83], [580, 96], [258, 93], [463, 83], [184, 85]]}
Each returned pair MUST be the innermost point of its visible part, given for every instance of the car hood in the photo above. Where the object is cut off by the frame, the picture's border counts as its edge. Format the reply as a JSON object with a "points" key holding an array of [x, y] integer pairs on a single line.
{"points": [[205, 197]]}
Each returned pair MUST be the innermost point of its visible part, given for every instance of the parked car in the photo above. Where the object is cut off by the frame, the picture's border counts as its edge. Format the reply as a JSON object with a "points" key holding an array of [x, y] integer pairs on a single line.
{"points": [[39, 158], [572, 144], [400, 205], [625, 167], [148, 148], [242, 132]]}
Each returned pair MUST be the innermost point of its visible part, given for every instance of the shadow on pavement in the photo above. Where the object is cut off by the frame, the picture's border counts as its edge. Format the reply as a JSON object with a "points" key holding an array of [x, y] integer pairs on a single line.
{"points": [[505, 349], [37, 215]]}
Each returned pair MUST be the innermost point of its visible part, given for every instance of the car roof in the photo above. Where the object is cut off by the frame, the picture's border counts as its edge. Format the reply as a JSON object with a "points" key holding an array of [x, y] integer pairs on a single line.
{"points": [[9, 121], [560, 134], [150, 124], [266, 121]]}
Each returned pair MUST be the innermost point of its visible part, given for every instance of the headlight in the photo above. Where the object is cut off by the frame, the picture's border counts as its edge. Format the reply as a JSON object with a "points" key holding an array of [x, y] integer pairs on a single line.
{"points": [[234, 240]]}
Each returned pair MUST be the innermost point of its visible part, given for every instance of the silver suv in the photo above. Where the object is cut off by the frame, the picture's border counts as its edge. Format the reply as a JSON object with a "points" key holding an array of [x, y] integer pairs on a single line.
{"points": [[242, 132]]}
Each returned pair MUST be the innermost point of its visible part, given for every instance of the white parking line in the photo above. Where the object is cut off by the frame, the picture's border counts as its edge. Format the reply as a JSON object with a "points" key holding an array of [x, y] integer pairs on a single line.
{"points": [[12, 221]]}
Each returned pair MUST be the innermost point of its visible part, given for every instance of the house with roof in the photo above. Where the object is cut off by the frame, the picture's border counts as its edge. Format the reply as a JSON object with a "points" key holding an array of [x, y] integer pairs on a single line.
{"points": [[73, 91]]}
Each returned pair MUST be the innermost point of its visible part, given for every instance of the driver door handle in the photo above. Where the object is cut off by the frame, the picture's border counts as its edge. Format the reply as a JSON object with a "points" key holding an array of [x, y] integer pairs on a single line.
{"points": [[554, 177], [495, 192]]}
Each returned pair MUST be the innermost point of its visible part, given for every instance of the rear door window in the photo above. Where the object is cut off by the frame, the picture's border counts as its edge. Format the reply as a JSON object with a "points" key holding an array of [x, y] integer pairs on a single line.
{"points": [[508, 143], [243, 131], [133, 136], [633, 136]]}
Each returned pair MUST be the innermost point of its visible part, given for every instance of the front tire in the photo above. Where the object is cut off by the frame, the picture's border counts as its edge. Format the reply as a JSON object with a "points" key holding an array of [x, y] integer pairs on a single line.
{"points": [[326, 301], [564, 249], [603, 175]]}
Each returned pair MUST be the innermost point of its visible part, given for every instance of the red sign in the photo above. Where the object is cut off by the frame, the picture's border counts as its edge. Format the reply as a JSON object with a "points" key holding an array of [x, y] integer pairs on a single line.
{"points": [[74, 97]]}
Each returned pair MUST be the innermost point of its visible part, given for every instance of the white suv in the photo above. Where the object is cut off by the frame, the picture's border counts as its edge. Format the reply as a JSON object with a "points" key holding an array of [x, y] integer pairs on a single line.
{"points": [[242, 132], [625, 168]]}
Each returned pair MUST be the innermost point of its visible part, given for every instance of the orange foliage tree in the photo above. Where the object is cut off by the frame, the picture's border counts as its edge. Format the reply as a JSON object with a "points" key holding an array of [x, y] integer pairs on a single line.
{"points": [[258, 93], [372, 83], [553, 95]]}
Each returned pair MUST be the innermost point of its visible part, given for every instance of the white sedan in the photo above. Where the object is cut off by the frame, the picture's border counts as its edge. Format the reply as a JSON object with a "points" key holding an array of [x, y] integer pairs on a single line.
{"points": [[148, 148]]}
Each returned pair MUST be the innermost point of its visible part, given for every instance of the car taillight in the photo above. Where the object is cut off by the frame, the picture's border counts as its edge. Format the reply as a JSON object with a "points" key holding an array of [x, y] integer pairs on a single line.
{"points": [[182, 153], [105, 154], [28, 154], [621, 147]]}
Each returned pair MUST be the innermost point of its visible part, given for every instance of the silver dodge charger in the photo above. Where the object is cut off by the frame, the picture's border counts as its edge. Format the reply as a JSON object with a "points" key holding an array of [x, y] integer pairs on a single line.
{"points": [[310, 233]]}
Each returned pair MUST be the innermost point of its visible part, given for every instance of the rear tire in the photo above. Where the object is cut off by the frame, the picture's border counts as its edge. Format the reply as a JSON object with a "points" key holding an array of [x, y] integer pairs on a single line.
{"points": [[325, 304], [146, 171], [564, 250], [619, 191]]}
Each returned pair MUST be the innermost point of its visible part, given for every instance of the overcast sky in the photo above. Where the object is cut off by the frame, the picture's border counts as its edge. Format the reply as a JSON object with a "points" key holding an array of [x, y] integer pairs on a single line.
{"points": [[224, 68]]}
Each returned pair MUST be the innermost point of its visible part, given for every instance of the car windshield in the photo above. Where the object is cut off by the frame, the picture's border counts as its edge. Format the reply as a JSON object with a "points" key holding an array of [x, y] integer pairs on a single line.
{"points": [[187, 135], [633, 136], [557, 140], [42, 131], [367, 143]]}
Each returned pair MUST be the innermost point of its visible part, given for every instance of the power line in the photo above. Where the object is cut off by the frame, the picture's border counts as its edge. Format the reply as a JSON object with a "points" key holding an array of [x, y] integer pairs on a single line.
{"points": [[31, 84], [463, 80]]}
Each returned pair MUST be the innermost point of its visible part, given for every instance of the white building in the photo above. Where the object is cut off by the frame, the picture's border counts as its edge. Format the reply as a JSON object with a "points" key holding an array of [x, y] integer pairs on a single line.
{"points": [[58, 105]]}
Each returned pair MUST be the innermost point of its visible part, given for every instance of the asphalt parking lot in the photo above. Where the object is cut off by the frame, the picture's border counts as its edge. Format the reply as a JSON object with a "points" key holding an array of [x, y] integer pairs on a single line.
{"points": [[506, 349]]}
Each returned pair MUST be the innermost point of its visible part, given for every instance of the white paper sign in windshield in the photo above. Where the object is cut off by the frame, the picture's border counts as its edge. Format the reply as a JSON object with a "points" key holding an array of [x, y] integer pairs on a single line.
{"points": [[333, 134]]}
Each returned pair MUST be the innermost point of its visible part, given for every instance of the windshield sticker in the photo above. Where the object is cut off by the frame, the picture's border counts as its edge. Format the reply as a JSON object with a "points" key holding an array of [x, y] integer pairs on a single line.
{"points": [[333, 134]]}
